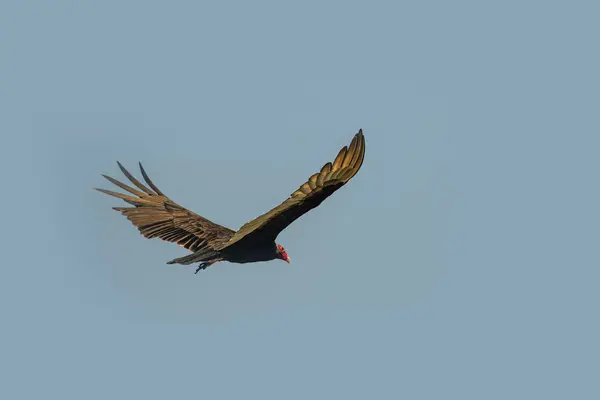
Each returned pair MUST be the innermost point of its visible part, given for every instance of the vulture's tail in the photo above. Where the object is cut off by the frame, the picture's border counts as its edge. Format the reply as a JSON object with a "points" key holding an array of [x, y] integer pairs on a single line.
{"points": [[199, 256]]}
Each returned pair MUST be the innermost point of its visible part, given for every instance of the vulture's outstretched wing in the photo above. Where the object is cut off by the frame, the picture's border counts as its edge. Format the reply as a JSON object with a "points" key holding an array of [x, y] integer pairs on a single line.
{"points": [[157, 216], [318, 187]]}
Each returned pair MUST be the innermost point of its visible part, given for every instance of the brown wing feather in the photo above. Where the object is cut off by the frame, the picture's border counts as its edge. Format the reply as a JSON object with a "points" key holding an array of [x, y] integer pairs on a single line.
{"points": [[157, 216], [308, 196]]}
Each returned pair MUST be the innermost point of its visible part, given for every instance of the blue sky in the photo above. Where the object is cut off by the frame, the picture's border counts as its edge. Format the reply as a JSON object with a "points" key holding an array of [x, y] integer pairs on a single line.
{"points": [[461, 262]]}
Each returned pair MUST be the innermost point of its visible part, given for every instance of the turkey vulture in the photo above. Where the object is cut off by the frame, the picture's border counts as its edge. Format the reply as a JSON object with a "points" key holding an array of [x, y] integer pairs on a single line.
{"points": [[157, 216]]}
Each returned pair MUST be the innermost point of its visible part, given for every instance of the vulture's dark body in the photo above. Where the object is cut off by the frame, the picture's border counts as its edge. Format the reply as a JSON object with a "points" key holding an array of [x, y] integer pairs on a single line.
{"points": [[157, 216], [241, 254], [251, 253]]}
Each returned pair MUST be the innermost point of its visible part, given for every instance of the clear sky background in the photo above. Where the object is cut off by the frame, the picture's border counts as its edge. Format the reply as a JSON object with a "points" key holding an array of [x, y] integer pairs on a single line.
{"points": [[460, 263]]}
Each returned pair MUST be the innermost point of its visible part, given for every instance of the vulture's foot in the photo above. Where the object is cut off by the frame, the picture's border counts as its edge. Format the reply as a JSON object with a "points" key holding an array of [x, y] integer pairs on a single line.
{"points": [[204, 265]]}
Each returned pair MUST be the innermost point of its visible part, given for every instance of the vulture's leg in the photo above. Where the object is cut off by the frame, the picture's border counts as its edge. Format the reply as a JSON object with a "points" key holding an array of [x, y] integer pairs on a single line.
{"points": [[206, 264]]}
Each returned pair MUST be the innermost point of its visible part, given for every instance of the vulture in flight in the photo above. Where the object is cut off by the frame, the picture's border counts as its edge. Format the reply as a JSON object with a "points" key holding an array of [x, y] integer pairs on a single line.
{"points": [[157, 216]]}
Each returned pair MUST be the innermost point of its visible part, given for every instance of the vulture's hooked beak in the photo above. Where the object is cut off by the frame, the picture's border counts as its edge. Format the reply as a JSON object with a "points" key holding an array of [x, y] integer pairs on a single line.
{"points": [[287, 259]]}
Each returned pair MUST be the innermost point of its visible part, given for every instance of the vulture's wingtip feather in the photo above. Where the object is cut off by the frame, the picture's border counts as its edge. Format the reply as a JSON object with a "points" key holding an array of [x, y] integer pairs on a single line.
{"points": [[149, 181], [135, 181]]}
